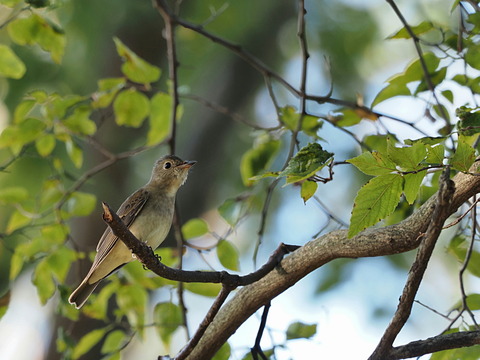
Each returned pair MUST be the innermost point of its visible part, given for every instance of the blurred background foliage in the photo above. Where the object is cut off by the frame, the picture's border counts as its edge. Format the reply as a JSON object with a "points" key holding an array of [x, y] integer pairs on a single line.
{"points": [[349, 56]]}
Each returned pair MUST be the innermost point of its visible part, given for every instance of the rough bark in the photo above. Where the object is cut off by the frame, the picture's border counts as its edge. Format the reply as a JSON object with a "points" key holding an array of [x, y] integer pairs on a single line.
{"points": [[388, 240]]}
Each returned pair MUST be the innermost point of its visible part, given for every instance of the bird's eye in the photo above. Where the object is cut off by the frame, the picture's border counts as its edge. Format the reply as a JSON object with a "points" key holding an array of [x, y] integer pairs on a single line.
{"points": [[167, 165]]}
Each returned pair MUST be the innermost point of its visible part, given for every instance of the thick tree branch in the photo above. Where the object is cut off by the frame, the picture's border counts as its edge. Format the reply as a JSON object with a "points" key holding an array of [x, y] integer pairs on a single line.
{"points": [[389, 240]]}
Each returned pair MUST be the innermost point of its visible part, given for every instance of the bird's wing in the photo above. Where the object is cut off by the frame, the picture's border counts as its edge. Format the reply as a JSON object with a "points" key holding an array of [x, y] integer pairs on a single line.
{"points": [[128, 211]]}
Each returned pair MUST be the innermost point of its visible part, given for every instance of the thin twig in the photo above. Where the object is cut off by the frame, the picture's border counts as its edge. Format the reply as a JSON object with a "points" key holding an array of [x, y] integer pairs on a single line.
{"points": [[257, 349]]}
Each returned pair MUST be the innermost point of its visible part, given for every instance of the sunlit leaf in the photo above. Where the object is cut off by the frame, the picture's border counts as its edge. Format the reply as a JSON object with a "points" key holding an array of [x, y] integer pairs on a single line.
{"points": [[45, 144], [10, 64], [79, 122], [131, 108], [135, 68], [81, 204], [43, 280], [132, 301], [375, 201], [308, 189], [37, 30], [194, 228], [75, 153], [391, 90], [419, 29], [160, 122], [204, 289], [373, 163], [407, 158], [228, 255], [223, 353], [87, 342], [113, 342], [14, 194], [463, 157], [108, 89]]}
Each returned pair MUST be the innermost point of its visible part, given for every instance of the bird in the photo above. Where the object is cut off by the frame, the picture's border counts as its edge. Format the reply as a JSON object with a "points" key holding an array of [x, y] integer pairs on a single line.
{"points": [[148, 214]]}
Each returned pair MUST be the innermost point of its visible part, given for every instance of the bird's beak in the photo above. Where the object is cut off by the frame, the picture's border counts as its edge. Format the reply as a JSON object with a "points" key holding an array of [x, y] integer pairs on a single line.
{"points": [[187, 164]]}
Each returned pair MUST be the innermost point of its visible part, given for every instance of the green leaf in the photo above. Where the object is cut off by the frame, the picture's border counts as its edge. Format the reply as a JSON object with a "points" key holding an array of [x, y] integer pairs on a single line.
{"points": [[373, 163], [306, 163], [472, 57], [308, 189], [113, 342], [81, 204], [160, 113], [43, 280], [10, 64], [37, 30], [290, 117], [75, 153], [60, 262], [108, 89], [230, 211], [412, 185], [467, 353], [168, 318], [473, 303], [407, 158], [464, 156], [204, 289], [131, 108], [14, 194], [79, 122], [458, 247], [298, 330], [228, 255], [135, 68], [17, 220], [346, 117], [87, 342], [223, 353], [422, 28], [258, 158], [10, 3], [194, 228], [375, 201], [435, 154], [391, 90], [469, 121], [45, 144]]}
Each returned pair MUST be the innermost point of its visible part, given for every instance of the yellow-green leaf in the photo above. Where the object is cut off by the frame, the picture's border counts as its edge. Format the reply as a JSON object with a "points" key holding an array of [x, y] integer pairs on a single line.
{"points": [[14, 194], [160, 124], [43, 280], [228, 255], [463, 158], [131, 108], [81, 204], [373, 163], [194, 228], [113, 342], [10, 64], [308, 190], [87, 342], [204, 289], [45, 144], [134, 67]]}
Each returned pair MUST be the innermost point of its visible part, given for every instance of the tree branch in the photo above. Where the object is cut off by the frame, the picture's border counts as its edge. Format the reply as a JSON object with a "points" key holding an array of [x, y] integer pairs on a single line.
{"points": [[389, 240], [418, 268]]}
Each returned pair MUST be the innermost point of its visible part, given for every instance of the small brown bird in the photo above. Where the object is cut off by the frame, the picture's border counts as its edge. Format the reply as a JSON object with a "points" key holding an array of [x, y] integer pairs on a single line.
{"points": [[148, 213]]}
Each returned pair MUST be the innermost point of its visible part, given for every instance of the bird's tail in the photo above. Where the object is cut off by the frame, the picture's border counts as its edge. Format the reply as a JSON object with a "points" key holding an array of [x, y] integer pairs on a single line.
{"points": [[81, 293]]}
